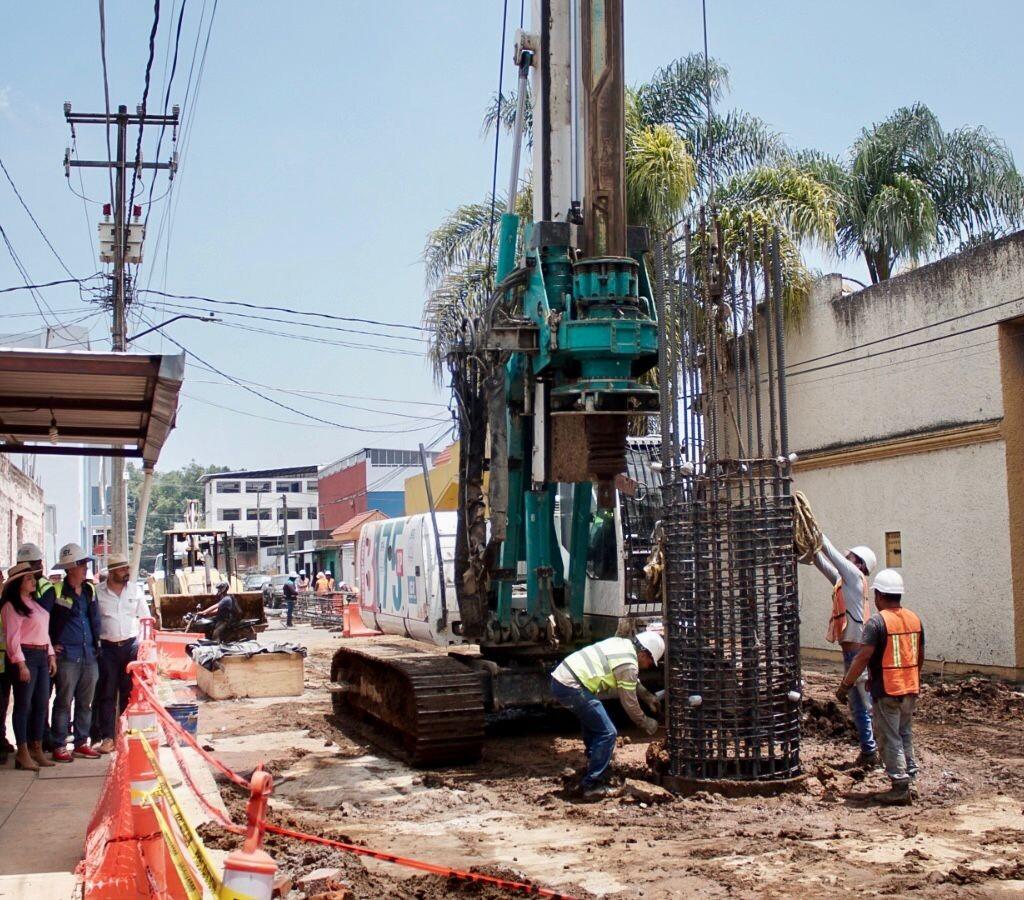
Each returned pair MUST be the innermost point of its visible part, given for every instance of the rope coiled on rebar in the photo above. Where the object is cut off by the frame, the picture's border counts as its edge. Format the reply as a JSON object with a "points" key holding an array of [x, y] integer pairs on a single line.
{"points": [[807, 539]]}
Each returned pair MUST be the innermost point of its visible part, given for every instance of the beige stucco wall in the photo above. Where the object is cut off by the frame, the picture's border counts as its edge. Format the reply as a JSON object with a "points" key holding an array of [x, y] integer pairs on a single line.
{"points": [[951, 509], [950, 381]]}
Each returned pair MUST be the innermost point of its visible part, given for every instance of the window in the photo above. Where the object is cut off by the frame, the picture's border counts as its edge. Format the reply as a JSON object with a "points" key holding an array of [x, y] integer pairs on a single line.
{"points": [[257, 487], [258, 513], [229, 515], [229, 487], [288, 487], [602, 552], [294, 512], [893, 549], [311, 513], [394, 457], [311, 487]]}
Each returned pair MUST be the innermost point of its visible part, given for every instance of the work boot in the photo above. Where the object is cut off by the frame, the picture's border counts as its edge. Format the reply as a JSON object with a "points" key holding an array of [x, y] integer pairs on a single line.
{"points": [[597, 792], [35, 749], [867, 761], [24, 759], [106, 746], [897, 795]]}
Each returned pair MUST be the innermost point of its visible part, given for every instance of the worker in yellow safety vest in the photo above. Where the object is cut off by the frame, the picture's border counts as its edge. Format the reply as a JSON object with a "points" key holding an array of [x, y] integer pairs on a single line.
{"points": [[609, 666], [893, 653]]}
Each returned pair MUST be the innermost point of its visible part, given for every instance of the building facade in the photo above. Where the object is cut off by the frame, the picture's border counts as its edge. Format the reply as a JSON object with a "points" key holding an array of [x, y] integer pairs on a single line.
{"points": [[371, 478], [906, 408], [21, 511], [258, 507]]}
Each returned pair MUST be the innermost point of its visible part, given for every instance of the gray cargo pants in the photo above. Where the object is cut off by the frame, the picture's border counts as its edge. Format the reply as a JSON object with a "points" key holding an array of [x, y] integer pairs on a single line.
{"points": [[893, 718]]}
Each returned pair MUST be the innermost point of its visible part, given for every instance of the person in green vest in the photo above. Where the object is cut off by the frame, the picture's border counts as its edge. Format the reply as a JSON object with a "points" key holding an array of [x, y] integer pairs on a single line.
{"points": [[609, 666]]}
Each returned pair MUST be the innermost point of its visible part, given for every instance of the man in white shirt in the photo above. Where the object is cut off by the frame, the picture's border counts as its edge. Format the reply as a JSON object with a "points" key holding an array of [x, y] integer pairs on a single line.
{"points": [[121, 605]]}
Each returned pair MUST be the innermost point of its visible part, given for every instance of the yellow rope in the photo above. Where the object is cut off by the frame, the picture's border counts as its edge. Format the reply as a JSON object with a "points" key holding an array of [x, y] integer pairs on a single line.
{"points": [[807, 534]]}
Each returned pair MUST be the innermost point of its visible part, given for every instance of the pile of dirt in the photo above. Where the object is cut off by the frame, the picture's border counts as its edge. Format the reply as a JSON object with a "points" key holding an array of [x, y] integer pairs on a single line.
{"points": [[433, 888], [826, 720], [971, 699]]}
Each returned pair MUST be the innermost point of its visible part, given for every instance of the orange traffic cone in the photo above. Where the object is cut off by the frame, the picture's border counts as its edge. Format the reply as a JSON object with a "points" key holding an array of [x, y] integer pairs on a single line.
{"points": [[250, 871]]}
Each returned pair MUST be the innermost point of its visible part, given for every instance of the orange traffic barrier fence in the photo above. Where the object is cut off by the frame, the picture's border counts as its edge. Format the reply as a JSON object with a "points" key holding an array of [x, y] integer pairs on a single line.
{"points": [[174, 730]]}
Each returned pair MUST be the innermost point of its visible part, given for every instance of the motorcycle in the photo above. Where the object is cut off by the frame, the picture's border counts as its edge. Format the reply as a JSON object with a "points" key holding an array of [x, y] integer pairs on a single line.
{"points": [[242, 630]]}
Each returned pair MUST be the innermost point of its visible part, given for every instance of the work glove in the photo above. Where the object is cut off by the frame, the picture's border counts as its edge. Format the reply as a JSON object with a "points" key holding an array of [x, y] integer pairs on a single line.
{"points": [[842, 693], [649, 725]]}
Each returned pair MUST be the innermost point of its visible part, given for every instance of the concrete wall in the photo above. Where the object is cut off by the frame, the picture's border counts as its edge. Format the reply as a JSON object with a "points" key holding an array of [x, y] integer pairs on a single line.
{"points": [[907, 432], [21, 511]]}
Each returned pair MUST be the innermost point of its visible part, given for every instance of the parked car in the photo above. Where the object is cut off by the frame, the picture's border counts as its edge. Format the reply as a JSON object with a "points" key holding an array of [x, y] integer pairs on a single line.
{"points": [[254, 581], [273, 590]]}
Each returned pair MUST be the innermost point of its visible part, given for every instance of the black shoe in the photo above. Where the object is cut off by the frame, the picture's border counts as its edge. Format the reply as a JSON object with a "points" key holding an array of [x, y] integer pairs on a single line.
{"points": [[897, 795], [596, 792], [867, 761], [7, 748]]}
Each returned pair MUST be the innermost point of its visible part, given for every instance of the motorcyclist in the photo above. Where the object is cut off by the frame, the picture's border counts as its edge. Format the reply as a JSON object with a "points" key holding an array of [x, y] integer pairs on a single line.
{"points": [[225, 611]]}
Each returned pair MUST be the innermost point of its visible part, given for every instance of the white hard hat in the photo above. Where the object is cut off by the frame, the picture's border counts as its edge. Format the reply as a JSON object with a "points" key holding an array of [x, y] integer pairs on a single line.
{"points": [[653, 643], [888, 581], [71, 555], [867, 555], [29, 553]]}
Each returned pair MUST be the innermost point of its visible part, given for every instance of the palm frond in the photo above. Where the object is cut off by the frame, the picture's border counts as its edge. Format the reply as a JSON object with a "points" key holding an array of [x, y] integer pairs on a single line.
{"points": [[462, 238]]}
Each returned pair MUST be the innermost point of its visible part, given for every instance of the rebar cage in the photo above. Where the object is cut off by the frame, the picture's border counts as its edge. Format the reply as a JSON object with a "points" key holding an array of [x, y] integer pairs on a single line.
{"points": [[732, 611]]}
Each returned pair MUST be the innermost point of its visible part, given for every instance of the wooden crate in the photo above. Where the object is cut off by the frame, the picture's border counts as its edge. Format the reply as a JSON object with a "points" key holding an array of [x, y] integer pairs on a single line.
{"points": [[263, 675]]}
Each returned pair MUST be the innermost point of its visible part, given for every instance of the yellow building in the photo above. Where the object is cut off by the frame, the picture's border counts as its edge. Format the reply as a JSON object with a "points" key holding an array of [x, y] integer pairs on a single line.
{"points": [[444, 484]]}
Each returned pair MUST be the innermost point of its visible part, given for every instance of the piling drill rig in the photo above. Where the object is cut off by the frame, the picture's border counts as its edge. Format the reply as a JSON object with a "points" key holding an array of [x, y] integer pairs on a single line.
{"points": [[546, 377]]}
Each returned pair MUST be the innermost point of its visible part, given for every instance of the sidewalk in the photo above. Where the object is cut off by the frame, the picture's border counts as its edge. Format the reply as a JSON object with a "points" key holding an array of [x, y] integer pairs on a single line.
{"points": [[42, 826]]}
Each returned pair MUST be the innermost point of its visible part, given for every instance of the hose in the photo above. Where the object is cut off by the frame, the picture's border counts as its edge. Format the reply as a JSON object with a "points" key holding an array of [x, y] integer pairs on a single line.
{"points": [[807, 539]]}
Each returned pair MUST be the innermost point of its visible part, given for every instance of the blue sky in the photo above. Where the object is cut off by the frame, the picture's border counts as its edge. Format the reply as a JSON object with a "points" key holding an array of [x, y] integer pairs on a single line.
{"points": [[329, 137]]}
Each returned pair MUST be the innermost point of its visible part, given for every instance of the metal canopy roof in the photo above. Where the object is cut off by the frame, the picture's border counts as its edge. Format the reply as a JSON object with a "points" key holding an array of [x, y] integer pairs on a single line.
{"points": [[104, 404]]}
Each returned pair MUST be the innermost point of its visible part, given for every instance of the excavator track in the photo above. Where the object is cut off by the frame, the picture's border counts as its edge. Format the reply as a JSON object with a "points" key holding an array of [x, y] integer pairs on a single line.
{"points": [[434, 703]]}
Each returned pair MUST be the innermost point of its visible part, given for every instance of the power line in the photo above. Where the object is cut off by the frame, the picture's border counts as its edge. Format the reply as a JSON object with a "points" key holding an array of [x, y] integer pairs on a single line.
{"points": [[145, 100], [284, 309], [39, 228], [278, 403], [167, 98], [46, 284], [319, 327]]}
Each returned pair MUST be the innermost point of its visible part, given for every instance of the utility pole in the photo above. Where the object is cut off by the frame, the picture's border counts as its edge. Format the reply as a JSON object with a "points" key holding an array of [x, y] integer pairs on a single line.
{"points": [[284, 501], [127, 248], [259, 527]]}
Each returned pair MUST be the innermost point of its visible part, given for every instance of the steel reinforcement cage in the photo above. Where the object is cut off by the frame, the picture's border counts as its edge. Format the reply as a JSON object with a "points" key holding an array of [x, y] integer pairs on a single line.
{"points": [[731, 603]]}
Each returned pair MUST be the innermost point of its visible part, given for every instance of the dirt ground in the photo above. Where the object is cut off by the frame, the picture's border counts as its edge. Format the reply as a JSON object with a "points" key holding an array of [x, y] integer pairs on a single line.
{"points": [[510, 815]]}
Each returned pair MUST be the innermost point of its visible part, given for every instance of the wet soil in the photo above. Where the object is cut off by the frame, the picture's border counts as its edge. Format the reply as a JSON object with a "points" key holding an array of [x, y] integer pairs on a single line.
{"points": [[512, 812]]}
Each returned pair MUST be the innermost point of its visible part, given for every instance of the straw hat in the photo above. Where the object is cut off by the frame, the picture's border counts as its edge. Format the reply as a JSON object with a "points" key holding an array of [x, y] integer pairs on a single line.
{"points": [[19, 569], [117, 561]]}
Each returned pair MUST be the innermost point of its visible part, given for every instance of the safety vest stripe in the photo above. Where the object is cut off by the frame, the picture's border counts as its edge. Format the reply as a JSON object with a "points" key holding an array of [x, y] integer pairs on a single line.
{"points": [[895, 641]]}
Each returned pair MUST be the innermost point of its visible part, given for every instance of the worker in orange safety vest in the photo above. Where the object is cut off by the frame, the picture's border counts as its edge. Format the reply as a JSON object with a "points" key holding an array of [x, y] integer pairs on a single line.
{"points": [[893, 653]]}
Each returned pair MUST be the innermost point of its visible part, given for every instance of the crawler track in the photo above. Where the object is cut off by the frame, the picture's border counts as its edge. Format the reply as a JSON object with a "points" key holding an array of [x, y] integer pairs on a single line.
{"points": [[434, 703]]}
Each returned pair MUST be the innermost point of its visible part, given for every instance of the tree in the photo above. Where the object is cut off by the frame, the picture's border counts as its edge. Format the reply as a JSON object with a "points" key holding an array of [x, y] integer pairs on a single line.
{"points": [[910, 189], [166, 503]]}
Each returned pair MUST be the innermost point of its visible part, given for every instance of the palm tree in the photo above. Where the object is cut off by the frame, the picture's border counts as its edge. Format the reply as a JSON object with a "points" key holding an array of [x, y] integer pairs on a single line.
{"points": [[911, 189]]}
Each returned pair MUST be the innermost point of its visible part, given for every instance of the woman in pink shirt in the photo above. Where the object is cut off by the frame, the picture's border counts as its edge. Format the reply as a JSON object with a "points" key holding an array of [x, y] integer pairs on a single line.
{"points": [[31, 660]]}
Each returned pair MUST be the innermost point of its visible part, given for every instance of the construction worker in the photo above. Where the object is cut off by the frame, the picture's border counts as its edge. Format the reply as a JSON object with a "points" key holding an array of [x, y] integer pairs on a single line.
{"points": [[609, 665], [122, 604], [75, 635], [290, 592], [893, 653], [848, 574], [321, 584], [302, 584]]}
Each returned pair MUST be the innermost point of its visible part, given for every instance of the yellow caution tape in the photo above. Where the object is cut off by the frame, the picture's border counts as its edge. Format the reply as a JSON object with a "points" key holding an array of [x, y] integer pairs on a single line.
{"points": [[192, 890], [193, 843]]}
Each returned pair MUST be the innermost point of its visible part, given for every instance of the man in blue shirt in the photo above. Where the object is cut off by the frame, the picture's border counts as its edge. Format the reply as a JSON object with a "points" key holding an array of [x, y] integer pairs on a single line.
{"points": [[75, 635]]}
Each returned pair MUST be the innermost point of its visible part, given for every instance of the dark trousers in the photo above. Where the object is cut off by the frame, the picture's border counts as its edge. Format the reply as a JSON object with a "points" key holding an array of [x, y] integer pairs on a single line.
{"points": [[31, 698], [289, 605], [598, 731], [5, 699], [115, 683]]}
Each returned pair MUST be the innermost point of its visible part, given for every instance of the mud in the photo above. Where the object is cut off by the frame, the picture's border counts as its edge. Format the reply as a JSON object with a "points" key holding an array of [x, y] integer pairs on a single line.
{"points": [[513, 812]]}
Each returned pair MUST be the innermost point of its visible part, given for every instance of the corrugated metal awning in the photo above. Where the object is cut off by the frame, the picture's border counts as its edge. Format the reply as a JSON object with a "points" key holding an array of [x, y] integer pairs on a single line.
{"points": [[102, 404]]}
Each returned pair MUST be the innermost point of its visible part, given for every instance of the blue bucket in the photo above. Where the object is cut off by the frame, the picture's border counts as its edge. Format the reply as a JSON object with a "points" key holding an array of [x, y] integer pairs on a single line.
{"points": [[186, 715]]}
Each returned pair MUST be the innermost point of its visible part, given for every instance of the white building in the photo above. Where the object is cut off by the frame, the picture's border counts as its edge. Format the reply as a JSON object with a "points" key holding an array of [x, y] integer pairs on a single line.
{"points": [[906, 407], [257, 504]]}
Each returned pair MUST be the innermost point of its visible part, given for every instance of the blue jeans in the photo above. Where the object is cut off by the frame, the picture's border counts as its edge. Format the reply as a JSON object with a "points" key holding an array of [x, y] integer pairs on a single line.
{"points": [[598, 731], [76, 681], [860, 707], [31, 698], [289, 606]]}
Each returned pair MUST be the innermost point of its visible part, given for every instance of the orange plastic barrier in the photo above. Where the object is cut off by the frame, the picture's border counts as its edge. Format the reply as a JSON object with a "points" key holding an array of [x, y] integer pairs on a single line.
{"points": [[173, 661], [352, 623]]}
